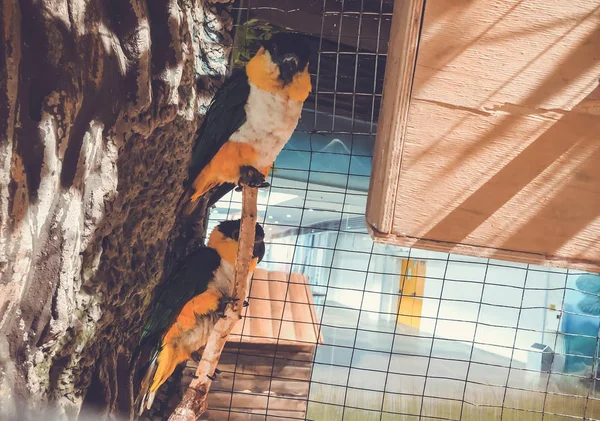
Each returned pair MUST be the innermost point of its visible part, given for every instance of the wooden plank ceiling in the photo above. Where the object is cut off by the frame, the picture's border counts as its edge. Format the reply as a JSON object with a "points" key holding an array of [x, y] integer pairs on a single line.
{"points": [[496, 152], [281, 311]]}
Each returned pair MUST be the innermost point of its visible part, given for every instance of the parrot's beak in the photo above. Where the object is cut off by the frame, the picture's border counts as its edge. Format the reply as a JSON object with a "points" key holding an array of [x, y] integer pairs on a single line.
{"points": [[288, 68]]}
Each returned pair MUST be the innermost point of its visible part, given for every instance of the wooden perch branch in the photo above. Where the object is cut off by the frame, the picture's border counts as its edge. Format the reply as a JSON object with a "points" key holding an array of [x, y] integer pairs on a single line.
{"points": [[194, 402]]}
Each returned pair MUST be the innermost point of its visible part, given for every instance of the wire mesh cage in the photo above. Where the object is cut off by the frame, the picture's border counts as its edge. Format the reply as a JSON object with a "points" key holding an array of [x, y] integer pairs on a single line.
{"points": [[342, 328]]}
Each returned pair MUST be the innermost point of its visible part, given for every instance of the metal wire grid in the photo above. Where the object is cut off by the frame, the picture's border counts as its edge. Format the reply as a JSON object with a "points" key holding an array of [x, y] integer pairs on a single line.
{"points": [[480, 317]]}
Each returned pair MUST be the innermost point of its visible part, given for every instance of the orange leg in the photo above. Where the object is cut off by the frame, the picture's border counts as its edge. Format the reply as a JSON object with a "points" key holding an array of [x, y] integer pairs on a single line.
{"points": [[201, 304], [224, 167], [171, 354]]}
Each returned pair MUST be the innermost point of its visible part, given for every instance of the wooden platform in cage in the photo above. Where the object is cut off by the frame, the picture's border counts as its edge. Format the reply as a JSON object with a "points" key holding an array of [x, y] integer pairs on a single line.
{"points": [[488, 141], [270, 350], [281, 311]]}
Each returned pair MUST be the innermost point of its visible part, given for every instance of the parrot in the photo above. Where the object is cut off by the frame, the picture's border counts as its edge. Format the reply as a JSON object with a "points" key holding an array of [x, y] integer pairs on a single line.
{"points": [[191, 302], [250, 119]]}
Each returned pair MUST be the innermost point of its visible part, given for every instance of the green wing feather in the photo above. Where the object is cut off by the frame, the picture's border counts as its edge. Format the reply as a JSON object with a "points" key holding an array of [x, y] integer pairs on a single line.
{"points": [[188, 281], [225, 115]]}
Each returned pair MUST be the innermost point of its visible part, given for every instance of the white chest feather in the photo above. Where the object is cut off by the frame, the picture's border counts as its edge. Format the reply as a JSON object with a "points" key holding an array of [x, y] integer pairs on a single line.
{"points": [[271, 118], [225, 280], [195, 338]]}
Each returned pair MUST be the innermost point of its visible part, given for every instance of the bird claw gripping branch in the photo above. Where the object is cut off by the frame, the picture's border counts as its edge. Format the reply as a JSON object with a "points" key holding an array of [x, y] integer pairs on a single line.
{"points": [[215, 374], [223, 304], [251, 177]]}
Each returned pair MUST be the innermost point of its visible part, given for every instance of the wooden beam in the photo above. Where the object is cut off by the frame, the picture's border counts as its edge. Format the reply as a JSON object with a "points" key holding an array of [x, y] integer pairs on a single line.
{"points": [[494, 152], [397, 86]]}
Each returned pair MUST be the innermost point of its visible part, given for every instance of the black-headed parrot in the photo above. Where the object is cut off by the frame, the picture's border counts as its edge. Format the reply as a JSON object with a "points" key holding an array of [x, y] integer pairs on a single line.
{"points": [[190, 303], [250, 119]]}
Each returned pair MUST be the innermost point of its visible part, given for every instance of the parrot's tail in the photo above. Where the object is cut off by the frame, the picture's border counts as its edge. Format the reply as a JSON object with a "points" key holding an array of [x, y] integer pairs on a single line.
{"points": [[197, 190], [161, 367], [190, 206], [144, 395]]}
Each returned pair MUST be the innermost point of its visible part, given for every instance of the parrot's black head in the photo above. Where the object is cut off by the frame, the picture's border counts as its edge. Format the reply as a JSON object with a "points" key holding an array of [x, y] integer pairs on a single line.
{"points": [[231, 229], [290, 52], [259, 243]]}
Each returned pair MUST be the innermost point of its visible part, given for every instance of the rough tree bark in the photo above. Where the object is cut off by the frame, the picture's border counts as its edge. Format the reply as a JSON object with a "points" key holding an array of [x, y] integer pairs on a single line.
{"points": [[99, 105]]}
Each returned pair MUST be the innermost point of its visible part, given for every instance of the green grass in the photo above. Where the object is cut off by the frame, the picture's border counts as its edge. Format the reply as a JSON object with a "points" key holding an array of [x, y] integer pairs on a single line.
{"points": [[485, 403]]}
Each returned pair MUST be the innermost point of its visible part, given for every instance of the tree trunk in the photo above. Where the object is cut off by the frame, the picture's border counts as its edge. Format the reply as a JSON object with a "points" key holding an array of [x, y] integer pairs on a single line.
{"points": [[99, 105]]}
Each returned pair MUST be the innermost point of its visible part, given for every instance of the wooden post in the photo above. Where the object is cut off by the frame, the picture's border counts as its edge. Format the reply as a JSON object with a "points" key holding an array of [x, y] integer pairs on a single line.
{"points": [[194, 402]]}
